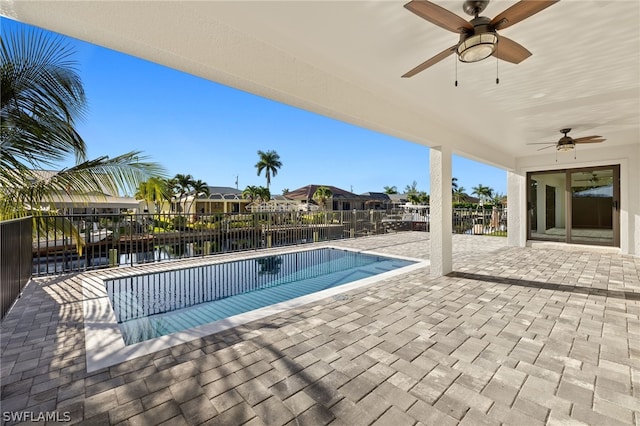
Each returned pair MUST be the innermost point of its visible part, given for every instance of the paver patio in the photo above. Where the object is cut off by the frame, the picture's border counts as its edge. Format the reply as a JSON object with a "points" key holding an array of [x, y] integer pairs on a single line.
{"points": [[519, 336]]}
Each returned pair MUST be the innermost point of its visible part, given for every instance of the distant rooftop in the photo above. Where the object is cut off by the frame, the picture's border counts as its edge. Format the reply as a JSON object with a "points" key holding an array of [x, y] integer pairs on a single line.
{"points": [[306, 192]]}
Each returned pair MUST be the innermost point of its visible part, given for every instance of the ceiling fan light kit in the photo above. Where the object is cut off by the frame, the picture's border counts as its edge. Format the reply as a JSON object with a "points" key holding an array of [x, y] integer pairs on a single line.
{"points": [[566, 146], [477, 47]]}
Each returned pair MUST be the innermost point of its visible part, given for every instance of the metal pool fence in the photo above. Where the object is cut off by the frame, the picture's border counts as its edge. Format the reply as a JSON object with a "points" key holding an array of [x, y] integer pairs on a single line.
{"points": [[15, 260], [139, 296], [75, 243]]}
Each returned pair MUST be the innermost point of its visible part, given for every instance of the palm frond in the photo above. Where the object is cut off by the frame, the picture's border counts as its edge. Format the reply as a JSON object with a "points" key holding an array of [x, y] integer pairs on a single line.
{"points": [[42, 97]]}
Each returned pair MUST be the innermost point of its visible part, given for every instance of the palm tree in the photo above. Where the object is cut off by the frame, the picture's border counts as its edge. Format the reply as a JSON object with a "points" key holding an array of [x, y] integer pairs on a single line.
{"points": [[459, 194], [321, 195], [199, 188], [411, 189], [285, 191], [418, 197], [413, 198], [484, 193], [154, 190], [270, 163], [251, 193], [182, 184], [424, 197], [454, 184], [478, 190], [263, 194], [42, 98], [499, 199], [390, 189]]}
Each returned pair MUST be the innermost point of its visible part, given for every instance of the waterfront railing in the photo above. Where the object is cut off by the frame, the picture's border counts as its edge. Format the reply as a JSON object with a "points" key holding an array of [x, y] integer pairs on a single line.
{"points": [[85, 242]]}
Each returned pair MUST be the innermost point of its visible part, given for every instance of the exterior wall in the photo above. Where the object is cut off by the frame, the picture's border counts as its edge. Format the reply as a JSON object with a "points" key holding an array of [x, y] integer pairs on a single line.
{"points": [[226, 206], [209, 207], [627, 156]]}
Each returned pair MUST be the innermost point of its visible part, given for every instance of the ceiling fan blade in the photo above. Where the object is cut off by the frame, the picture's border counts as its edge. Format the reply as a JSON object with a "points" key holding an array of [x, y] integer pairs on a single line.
{"points": [[520, 11], [439, 16], [589, 139], [510, 51], [547, 147], [423, 66]]}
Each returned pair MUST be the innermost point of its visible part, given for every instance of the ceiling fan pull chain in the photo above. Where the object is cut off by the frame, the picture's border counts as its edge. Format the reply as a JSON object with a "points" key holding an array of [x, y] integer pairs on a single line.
{"points": [[456, 61], [497, 60]]}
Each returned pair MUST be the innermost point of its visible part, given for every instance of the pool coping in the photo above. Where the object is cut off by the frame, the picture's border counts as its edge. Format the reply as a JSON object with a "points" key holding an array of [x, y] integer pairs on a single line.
{"points": [[105, 346]]}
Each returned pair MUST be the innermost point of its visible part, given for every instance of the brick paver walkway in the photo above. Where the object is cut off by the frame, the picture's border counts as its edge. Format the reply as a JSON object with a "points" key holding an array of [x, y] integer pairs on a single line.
{"points": [[514, 336]]}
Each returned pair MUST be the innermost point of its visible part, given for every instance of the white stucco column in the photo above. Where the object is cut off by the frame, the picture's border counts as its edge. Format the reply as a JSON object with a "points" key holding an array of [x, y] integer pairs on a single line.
{"points": [[516, 209], [440, 210]]}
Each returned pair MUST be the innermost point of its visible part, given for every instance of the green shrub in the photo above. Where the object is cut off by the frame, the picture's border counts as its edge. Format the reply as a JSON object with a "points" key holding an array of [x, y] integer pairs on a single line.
{"points": [[179, 223]]}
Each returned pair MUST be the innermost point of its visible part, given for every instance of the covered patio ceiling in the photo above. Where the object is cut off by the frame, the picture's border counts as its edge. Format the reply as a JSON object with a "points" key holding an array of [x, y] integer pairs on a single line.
{"points": [[345, 59]]}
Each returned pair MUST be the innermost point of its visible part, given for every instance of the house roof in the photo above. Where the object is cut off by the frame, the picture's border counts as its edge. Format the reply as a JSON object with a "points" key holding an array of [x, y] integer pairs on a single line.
{"points": [[398, 198], [95, 200], [306, 193], [381, 196], [224, 190], [219, 193]]}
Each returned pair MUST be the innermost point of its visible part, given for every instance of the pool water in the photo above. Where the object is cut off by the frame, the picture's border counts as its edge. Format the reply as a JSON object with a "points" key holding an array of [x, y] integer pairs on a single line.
{"points": [[157, 304]]}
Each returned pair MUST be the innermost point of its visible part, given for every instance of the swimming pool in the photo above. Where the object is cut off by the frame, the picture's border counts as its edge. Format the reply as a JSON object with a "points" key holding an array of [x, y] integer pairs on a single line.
{"points": [[151, 305], [104, 338]]}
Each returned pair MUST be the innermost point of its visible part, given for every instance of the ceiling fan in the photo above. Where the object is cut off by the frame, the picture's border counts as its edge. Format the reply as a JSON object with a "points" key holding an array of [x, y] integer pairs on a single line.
{"points": [[592, 179], [478, 38], [567, 143]]}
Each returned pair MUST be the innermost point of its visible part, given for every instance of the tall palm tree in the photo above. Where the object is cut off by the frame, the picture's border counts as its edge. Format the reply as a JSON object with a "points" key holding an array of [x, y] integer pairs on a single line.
{"points": [[390, 189], [199, 188], [321, 195], [454, 184], [269, 162], [182, 185], [41, 101]]}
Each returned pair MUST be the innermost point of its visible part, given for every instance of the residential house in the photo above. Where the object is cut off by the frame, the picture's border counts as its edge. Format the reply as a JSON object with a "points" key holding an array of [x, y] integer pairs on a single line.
{"points": [[221, 199], [340, 199]]}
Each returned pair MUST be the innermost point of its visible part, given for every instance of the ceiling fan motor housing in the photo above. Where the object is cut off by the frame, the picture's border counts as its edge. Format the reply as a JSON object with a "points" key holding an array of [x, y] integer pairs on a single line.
{"points": [[565, 143], [479, 44]]}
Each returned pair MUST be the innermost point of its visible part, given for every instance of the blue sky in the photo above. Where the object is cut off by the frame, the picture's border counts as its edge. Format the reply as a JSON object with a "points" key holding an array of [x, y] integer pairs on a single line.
{"points": [[213, 132]]}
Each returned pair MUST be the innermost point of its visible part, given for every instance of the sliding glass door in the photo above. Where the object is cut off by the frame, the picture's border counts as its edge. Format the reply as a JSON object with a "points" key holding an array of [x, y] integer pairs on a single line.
{"points": [[575, 206], [548, 208]]}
